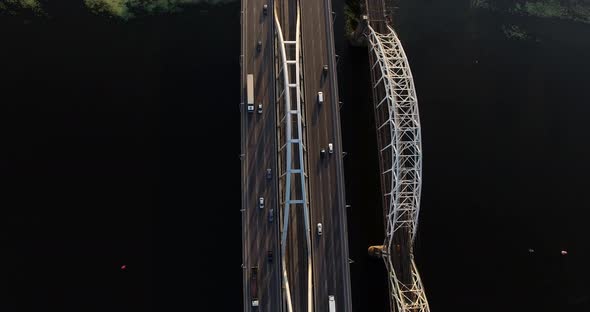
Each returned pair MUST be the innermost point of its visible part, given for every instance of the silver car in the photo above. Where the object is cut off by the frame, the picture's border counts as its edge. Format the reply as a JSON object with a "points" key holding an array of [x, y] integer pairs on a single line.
{"points": [[261, 202]]}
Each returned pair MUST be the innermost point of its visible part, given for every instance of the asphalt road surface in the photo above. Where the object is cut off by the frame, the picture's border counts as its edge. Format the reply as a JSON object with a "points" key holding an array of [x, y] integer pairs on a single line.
{"points": [[260, 146], [327, 198], [259, 150]]}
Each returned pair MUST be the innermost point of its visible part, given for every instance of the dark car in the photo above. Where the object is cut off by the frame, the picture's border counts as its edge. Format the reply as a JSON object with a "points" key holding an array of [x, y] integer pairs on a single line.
{"points": [[271, 215], [265, 9], [269, 256], [323, 152], [259, 46], [269, 173]]}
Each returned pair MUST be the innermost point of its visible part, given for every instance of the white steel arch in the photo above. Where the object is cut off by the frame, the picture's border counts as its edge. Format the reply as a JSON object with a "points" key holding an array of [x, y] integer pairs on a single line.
{"points": [[294, 175], [400, 153]]}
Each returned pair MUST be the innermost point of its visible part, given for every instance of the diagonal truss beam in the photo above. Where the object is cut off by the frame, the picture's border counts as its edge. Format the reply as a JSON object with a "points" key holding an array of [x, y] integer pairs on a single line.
{"points": [[400, 157]]}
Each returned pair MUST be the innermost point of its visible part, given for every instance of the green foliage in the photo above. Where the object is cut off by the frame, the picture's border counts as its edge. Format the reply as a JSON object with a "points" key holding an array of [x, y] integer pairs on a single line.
{"points": [[110, 7], [480, 4], [550, 8], [514, 32], [14, 6], [126, 9], [581, 12], [352, 13], [123, 9], [576, 10], [351, 20]]}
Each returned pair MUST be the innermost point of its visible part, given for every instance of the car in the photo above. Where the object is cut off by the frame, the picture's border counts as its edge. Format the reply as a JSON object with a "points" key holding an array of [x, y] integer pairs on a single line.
{"points": [[269, 256], [250, 108], [331, 148], [265, 9], [323, 152], [261, 202], [319, 229], [325, 69], [271, 215], [259, 46], [260, 108], [320, 97], [269, 173]]}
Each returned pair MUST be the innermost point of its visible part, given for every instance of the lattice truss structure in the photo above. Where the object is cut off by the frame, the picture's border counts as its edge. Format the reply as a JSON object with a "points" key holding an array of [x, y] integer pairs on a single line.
{"points": [[293, 180], [400, 156]]}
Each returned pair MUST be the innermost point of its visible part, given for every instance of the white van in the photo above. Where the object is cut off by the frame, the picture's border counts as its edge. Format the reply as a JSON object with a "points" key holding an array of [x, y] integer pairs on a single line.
{"points": [[331, 304], [320, 97]]}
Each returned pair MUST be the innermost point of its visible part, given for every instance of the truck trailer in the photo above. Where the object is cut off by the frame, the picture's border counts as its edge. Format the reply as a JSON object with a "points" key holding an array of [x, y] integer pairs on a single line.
{"points": [[254, 286], [331, 304], [250, 92]]}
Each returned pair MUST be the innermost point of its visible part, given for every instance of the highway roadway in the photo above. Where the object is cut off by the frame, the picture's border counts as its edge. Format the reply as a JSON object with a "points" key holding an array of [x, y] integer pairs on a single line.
{"points": [[327, 199], [259, 150]]}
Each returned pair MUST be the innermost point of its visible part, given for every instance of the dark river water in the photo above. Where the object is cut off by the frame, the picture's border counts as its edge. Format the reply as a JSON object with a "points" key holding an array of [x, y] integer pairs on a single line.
{"points": [[120, 169]]}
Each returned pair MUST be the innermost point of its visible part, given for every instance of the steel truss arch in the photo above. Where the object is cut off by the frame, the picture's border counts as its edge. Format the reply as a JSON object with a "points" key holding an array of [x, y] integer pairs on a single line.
{"points": [[400, 155]]}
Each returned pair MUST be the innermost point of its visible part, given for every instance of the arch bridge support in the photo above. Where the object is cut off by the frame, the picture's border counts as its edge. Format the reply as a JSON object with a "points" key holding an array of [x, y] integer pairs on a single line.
{"points": [[400, 159]]}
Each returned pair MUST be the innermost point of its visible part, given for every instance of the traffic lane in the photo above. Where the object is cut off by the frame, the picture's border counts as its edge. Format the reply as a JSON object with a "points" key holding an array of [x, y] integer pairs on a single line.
{"points": [[333, 208], [259, 186], [272, 293], [268, 122], [330, 208], [340, 252], [261, 146], [259, 238], [326, 260], [296, 259], [313, 54], [332, 205], [338, 208], [265, 239], [313, 163], [315, 59]]}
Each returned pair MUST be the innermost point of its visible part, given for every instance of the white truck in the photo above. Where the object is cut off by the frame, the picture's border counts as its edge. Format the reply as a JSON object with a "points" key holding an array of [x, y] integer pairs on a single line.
{"points": [[331, 304], [250, 92]]}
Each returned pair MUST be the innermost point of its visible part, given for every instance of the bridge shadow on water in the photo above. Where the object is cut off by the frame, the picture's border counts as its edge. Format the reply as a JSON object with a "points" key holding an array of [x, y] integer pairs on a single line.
{"points": [[120, 163]]}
